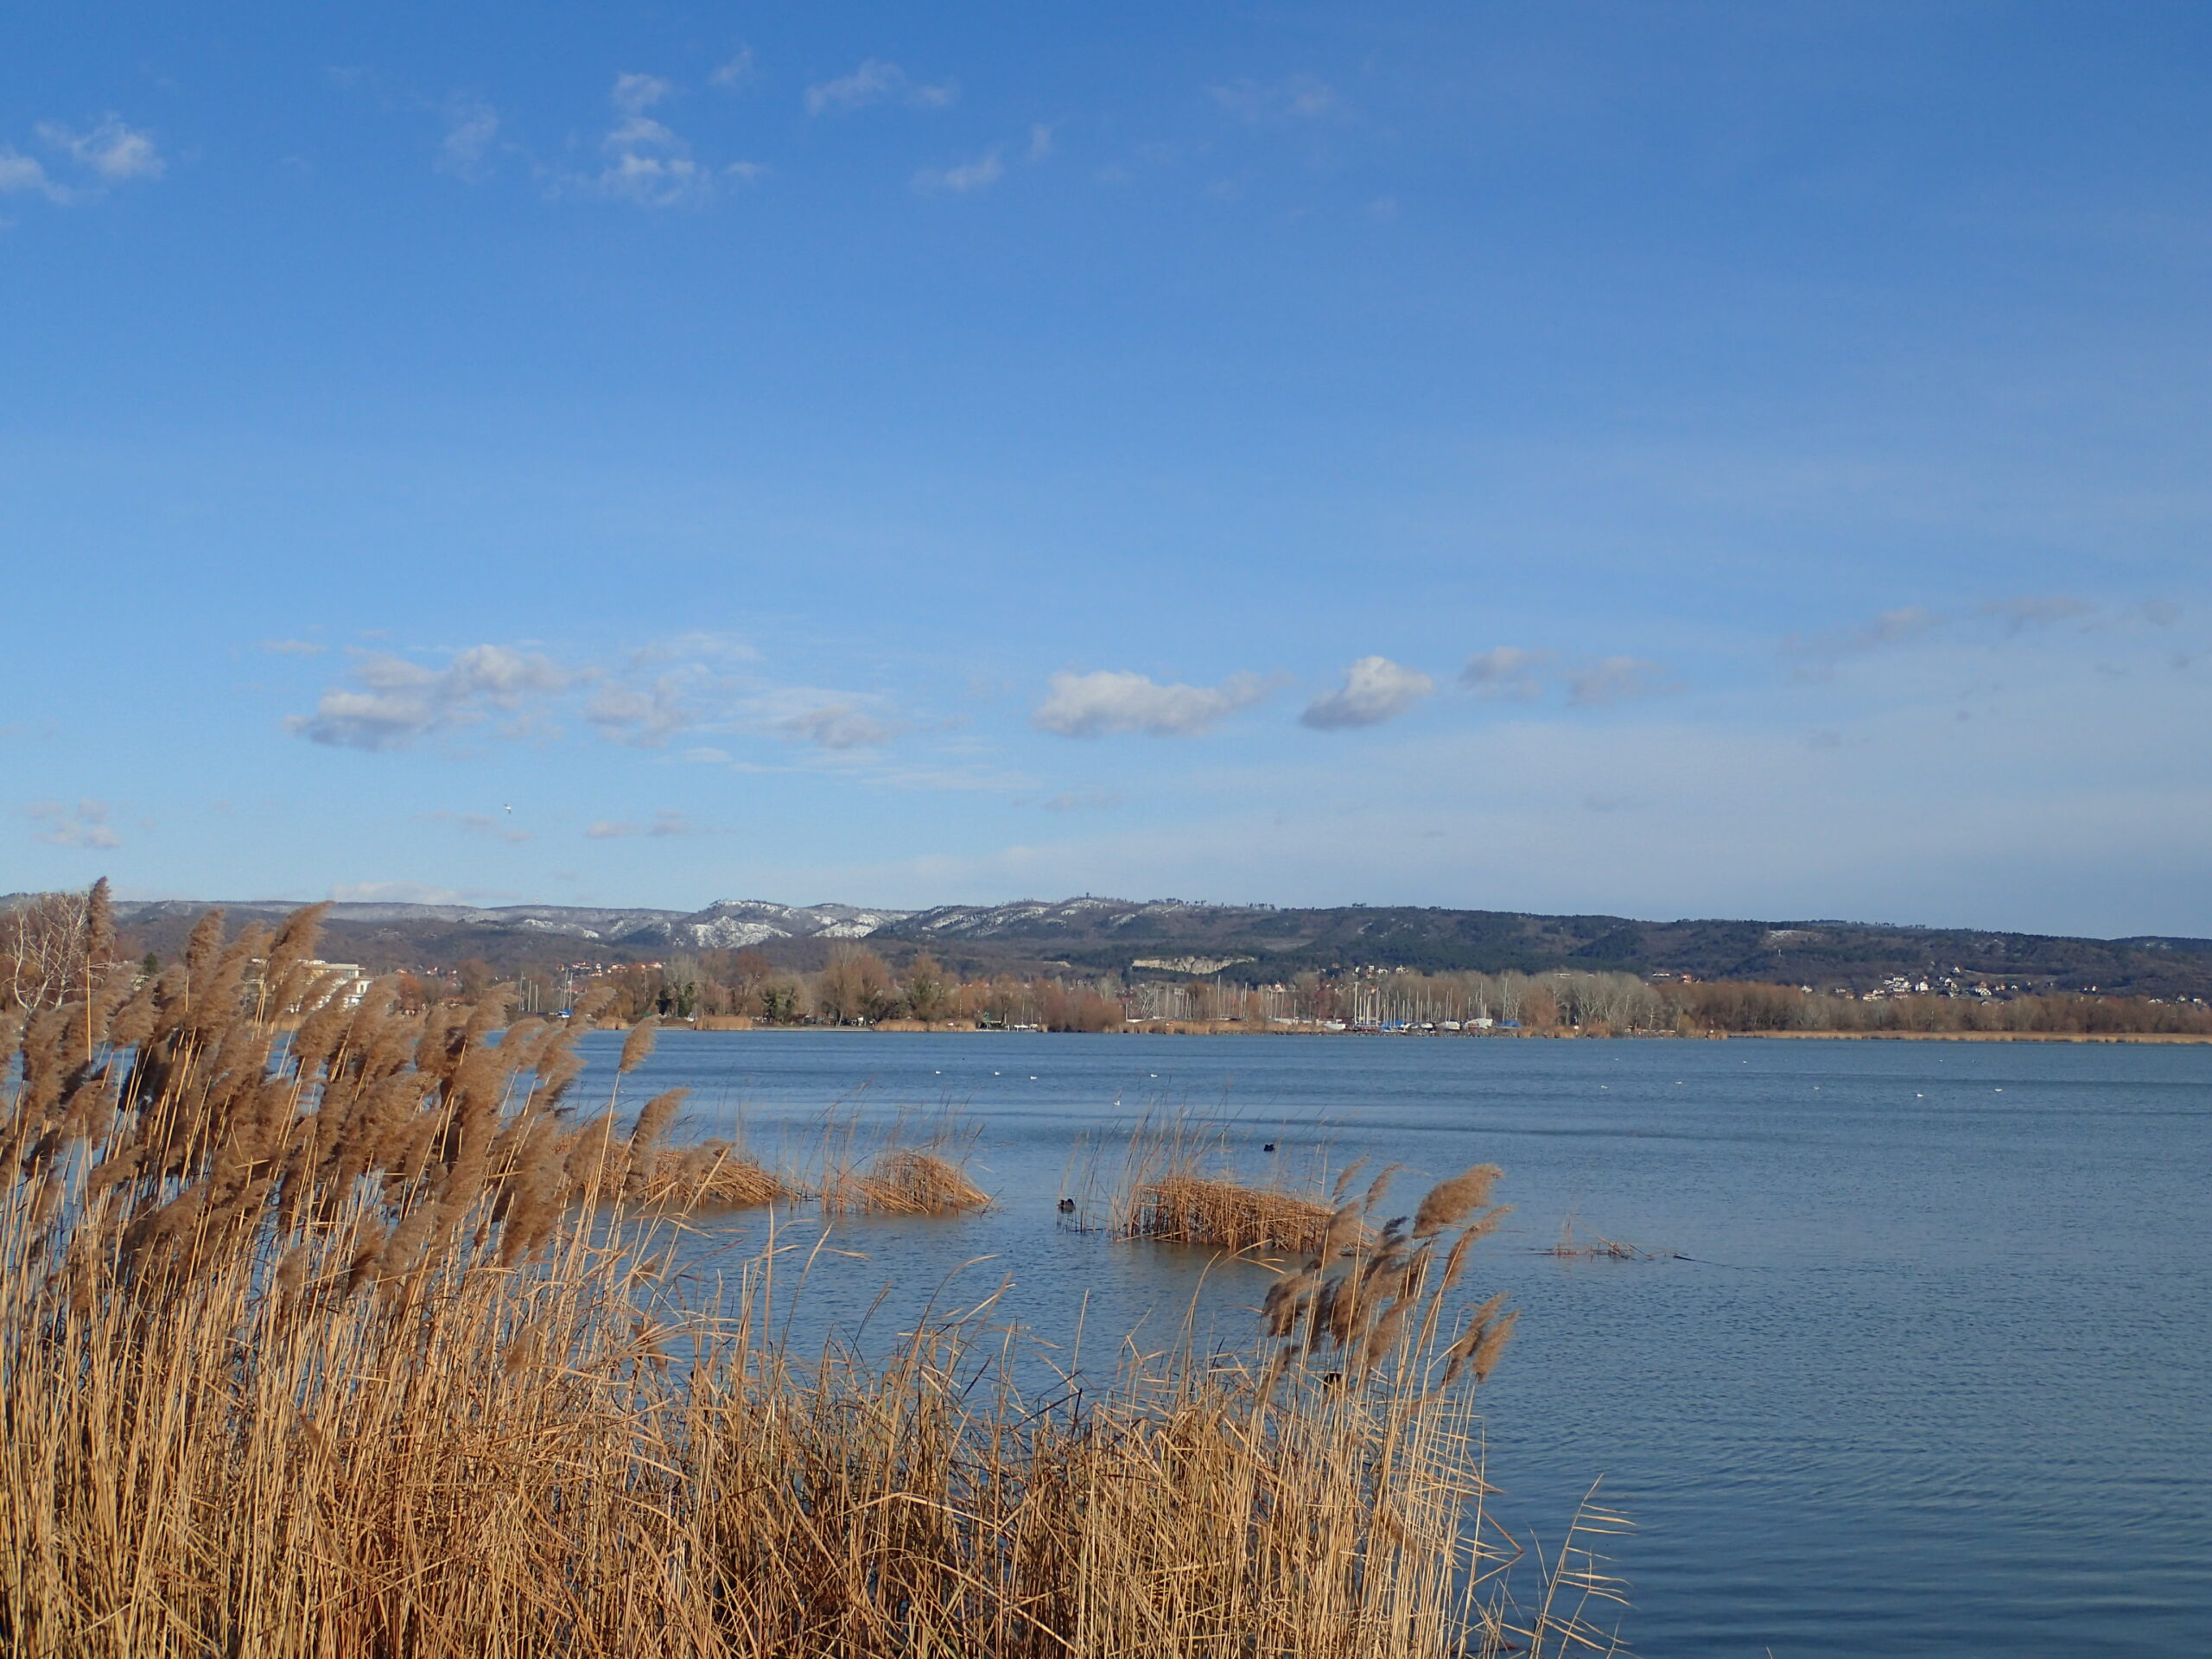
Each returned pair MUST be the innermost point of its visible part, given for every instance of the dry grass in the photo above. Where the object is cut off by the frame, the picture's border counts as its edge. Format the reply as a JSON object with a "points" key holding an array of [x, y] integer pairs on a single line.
{"points": [[1178, 1185], [315, 1355], [1180, 1208], [713, 1175], [902, 1169]]}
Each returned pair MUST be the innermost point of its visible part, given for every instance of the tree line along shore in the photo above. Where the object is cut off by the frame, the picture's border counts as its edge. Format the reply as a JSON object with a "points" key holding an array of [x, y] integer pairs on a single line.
{"points": [[856, 988]]}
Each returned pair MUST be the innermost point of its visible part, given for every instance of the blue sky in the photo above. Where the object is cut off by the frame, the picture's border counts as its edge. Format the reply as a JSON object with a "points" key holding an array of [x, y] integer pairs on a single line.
{"points": [[1664, 459]]}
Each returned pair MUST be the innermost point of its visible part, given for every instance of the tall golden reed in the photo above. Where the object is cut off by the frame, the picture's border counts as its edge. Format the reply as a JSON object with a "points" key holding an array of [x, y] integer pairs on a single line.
{"points": [[355, 1345]]}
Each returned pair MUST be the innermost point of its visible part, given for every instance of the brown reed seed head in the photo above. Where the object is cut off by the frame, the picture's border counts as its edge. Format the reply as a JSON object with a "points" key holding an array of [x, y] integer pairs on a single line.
{"points": [[1451, 1202], [637, 1045]]}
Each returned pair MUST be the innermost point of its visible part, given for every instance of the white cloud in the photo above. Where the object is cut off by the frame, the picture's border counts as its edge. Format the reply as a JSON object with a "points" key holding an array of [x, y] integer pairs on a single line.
{"points": [[112, 150], [1616, 679], [473, 126], [85, 826], [1375, 689], [395, 701], [292, 647], [878, 81], [19, 172], [1087, 705], [647, 162], [646, 716], [1504, 671], [1040, 142], [634, 94], [650, 165], [984, 171], [1300, 98], [738, 70], [838, 726], [692, 686]]}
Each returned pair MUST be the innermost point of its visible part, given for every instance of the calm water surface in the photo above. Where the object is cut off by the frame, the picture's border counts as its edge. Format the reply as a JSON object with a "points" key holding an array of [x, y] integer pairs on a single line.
{"points": [[1937, 1380]]}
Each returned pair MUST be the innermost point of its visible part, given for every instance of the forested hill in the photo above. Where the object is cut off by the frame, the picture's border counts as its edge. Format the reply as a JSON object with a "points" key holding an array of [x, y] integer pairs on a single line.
{"points": [[1242, 943], [1111, 934]]}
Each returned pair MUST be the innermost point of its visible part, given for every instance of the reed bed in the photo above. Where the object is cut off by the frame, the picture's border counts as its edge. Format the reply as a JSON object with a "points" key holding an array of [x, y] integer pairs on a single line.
{"points": [[1178, 1185], [713, 1175], [313, 1352], [905, 1168], [1180, 1208]]}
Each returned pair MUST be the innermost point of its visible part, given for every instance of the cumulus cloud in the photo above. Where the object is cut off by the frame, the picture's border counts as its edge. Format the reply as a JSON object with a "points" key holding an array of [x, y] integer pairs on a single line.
{"points": [[394, 702], [110, 153], [20, 174], [1504, 671], [634, 94], [472, 128], [643, 715], [1089, 705], [1616, 679], [1259, 104], [878, 81], [837, 726], [733, 72], [1375, 689], [292, 647], [646, 162], [985, 170], [110, 150], [86, 825], [690, 687]]}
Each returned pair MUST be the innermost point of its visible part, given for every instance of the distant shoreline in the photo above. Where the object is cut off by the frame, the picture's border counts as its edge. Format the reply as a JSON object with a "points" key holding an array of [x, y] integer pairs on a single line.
{"points": [[1993, 1036], [1231, 1028]]}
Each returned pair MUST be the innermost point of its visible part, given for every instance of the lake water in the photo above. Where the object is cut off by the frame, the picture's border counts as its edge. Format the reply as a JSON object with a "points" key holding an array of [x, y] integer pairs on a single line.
{"points": [[1937, 1380]]}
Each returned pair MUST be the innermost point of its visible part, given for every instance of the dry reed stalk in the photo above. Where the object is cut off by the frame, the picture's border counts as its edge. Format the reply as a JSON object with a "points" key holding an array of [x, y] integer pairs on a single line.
{"points": [[713, 1175], [913, 1169], [1177, 1187], [1184, 1208], [311, 1355]]}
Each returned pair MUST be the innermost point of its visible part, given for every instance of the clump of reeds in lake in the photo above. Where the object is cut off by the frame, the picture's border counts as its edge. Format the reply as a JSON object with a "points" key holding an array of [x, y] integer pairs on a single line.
{"points": [[901, 1169], [307, 1349], [1178, 1186]]}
